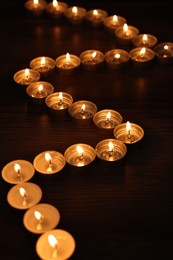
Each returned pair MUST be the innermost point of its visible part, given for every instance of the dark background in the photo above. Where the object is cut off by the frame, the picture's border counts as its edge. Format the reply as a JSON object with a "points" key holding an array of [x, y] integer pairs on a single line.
{"points": [[113, 211]]}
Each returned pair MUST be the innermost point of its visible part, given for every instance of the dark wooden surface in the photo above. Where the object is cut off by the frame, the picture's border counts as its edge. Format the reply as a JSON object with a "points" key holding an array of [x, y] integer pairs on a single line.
{"points": [[113, 211]]}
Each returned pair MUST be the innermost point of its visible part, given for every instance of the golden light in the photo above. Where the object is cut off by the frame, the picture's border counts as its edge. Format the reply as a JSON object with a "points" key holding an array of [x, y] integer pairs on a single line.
{"points": [[79, 150], [22, 192], [111, 146], [74, 10], [125, 28], [142, 51], [165, 47], [94, 54], [60, 96], [38, 216], [48, 157], [35, 2], [108, 115], [53, 241], [83, 107], [128, 127], [40, 88], [115, 18], [117, 56], [95, 12], [26, 73], [145, 38], [17, 168], [67, 57], [43, 60], [55, 3]]}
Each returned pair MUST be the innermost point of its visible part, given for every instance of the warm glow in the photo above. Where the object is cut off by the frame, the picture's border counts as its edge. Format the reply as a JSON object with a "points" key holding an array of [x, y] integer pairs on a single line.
{"points": [[74, 10], [142, 51], [95, 12], [108, 116], [83, 107], [35, 2], [111, 146], [79, 149], [115, 18], [125, 28], [48, 157], [67, 57], [22, 192], [145, 38], [128, 127], [38, 215], [40, 88], [60, 96], [26, 73], [55, 3], [117, 56], [166, 47], [52, 241], [94, 54], [43, 60], [17, 168]]}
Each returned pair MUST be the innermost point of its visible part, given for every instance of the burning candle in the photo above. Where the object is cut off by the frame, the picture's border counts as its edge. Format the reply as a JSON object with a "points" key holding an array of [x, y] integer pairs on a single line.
{"points": [[80, 154], [24, 195], [59, 101], [126, 33], [95, 17], [111, 150], [116, 58], [67, 64], [107, 119], [111, 23], [146, 40], [55, 244], [56, 9], [18, 171], [141, 56], [92, 59], [82, 109], [164, 52], [75, 14], [41, 218], [128, 133], [49, 162], [36, 7], [26, 76], [44, 65]]}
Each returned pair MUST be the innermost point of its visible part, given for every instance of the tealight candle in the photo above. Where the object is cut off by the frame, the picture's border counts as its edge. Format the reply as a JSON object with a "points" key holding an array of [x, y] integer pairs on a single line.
{"points": [[95, 17], [56, 9], [164, 52], [75, 14], [36, 7], [126, 33], [55, 244], [18, 171], [24, 195], [67, 64], [38, 91], [44, 65], [116, 58], [49, 162], [111, 150], [82, 109], [92, 59], [59, 101], [112, 22], [80, 154], [128, 133], [26, 76], [144, 40], [41, 218], [107, 119], [141, 56]]}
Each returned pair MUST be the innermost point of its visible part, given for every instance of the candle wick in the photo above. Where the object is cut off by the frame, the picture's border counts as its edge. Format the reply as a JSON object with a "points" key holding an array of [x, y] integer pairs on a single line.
{"points": [[49, 169], [24, 200]]}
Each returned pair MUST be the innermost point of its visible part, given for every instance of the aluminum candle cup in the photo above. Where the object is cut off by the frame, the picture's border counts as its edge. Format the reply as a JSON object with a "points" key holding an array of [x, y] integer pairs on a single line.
{"points": [[128, 133], [44, 65], [80, 155], [142, 56], [144, 40], [56, 9], [164, 52], [26, 76], [36, 7], [55, 244], [49, 162], [111, 23], [38, 91], [59, 101], [82, 110], [24, 195], [95, 17], [67, 64], [92, 59], [18, 171], [126, 33], [116, 58], [111, 150], [75, 14], [107, 119], [41, 218]]}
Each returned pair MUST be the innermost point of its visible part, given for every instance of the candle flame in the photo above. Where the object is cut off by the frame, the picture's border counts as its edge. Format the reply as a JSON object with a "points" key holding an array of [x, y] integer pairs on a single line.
{"points": [[94, 54], [68, 57], [142, 51], [125, 28], [52, 241], [115, 18], [165, 47], [79, 149], [48, 157], [38, 215], [145, 38], [43, 60], [60, 96], [22, 192], [95, 12], [117, 56], [111, 146], [74, 10], [35, 2], [83, 107], [55, 3], [128, 127], [26, 72], [108, 116], [40, 88], [17, 168]]}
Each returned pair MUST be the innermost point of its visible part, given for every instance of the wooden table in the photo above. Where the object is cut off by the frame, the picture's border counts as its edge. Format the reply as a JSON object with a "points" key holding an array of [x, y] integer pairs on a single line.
{"points": [[114, 211]]}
